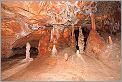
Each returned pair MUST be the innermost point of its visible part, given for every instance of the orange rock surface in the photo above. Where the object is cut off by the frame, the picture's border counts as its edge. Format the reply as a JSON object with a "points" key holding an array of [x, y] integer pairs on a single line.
{"points": [[95, 44]]}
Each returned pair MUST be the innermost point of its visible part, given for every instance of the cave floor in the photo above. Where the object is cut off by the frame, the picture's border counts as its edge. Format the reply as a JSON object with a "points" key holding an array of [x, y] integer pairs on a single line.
{"points": [[47, 68]]}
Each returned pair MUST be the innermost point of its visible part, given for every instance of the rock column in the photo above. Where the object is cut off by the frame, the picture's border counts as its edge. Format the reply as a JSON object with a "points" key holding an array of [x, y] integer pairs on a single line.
{"points": [[81, 41]]}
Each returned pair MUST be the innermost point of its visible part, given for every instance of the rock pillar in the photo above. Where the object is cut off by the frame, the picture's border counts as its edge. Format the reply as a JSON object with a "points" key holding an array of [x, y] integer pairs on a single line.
{"points": [[81, 41]]}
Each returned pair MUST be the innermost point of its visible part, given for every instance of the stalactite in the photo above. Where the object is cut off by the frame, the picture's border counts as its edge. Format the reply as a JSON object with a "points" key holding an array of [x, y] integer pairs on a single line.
{"points": [[93, 21], [73, 38], [51, 36], [56, 28], [81, 41]]}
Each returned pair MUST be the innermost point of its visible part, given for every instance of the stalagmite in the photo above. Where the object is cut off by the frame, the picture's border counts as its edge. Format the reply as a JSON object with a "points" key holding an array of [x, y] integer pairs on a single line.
{"points": [[27, 50], [66, 56], [110, 40], [79, 55], [54, 50], [54, 42], [28, 46], [95, 43], [81, 41]]}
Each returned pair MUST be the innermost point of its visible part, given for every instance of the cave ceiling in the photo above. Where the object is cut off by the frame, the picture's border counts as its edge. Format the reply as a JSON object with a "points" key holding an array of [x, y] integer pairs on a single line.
{"points": [[56, 12]]}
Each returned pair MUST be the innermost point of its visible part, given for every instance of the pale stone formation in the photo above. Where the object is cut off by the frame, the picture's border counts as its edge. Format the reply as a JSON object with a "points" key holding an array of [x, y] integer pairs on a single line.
{"points": [[28, 46], [27, 50], [81, 41], [65, 56], [51, 37], [54, 50], [80, 56], [77, 52], [110, 40]]}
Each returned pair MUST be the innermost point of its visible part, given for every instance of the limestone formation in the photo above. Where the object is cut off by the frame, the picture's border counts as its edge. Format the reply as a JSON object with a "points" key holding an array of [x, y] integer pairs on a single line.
{"points": [[66, 56], [110, 40], [28, 46], [81, 41], [73, 42], [54, 51], [95, 43]]}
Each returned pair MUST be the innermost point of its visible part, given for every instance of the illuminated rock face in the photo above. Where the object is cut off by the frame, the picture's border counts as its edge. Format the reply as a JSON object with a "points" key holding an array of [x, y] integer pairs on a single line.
{"points": [[12, 30], [6, 45], [8, 33], [12, 25], [95, 44], [46, 11], [36, 10], [67, 35], [44, 43]]}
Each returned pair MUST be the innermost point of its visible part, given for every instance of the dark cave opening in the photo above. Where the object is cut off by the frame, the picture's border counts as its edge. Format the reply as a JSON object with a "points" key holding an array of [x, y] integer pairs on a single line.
{"points": [[21, 52], [85, 32], [76, 32]]}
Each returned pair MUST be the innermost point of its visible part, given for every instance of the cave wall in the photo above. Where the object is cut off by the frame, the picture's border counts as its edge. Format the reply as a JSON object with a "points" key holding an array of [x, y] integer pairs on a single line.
{"points": [[9, 32]]}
